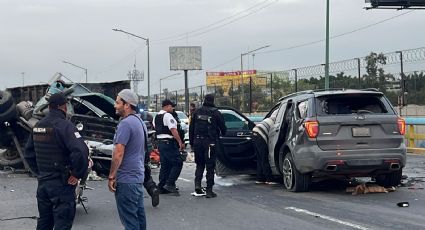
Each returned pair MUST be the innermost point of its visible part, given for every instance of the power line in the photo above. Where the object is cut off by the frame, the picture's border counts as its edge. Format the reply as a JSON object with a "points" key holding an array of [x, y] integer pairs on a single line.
{"points": [[321, 40], [335, 36], [218, 24]]}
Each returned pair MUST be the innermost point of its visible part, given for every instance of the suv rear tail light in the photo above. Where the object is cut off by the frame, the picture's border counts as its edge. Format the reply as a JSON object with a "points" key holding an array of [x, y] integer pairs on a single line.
{"points": [[312, 128], [401, 126]]}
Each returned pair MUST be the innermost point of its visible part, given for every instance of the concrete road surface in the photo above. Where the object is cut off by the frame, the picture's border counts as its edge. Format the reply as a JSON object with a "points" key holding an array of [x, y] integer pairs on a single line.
{"points": [[241, 204]]}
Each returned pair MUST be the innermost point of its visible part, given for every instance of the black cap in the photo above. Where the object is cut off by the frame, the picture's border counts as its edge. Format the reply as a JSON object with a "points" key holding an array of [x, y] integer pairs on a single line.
{"points": [[209, 98], [57, 99], [168, 102]]}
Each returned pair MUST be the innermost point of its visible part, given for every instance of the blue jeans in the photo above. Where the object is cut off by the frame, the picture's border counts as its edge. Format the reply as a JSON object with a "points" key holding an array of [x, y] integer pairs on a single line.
{"points": [[129, 199]]}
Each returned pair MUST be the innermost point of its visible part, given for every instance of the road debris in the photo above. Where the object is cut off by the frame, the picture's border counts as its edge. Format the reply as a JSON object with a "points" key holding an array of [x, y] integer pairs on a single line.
{"points": [[369, 188], [403, 204]]}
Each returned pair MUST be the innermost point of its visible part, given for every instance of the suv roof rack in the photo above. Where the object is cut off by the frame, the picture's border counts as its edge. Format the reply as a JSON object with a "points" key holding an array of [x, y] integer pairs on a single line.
{"points": [[295, 94], [370, 89], [323, 90]]}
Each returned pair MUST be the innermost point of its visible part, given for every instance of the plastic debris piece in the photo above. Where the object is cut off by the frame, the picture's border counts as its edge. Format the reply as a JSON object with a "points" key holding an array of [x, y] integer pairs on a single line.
{"points": [[403, 204]]}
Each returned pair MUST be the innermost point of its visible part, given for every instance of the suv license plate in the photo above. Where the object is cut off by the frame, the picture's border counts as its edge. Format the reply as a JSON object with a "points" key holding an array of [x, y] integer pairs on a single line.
{"points": [[361, 132]]}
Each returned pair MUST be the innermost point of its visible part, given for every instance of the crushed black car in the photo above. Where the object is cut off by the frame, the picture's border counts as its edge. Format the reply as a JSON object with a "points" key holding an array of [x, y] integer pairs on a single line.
{"points": [[92, 113]]}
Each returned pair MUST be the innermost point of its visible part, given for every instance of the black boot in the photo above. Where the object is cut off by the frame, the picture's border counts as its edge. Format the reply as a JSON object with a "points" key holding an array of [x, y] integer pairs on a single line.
{"points": [[210, 193], [155, 197]]}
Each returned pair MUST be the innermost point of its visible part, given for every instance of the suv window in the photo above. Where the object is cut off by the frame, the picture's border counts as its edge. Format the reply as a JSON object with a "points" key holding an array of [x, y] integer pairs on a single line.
{"points": [[233, 120], [348, 104], [302, 109]]}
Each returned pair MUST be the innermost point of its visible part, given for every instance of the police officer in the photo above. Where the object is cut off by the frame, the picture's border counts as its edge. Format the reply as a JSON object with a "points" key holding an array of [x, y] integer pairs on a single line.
{"points": [[57, 154], [168, 136], [207, 124]]}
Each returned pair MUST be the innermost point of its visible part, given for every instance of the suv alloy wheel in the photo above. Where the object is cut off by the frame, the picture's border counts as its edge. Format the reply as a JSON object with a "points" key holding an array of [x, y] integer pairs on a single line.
{"points": [[292, 179]]}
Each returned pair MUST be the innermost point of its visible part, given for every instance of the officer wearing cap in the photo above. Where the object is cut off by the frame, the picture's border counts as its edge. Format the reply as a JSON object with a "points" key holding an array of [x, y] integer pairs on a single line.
{"points": [[168, 140], [57, 154], [207, 124]]}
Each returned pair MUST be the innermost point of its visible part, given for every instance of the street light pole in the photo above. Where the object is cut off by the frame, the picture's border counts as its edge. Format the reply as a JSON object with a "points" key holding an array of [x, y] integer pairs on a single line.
{"points": [[85, 70], [243, 54], [148, 67], [160, 92]]}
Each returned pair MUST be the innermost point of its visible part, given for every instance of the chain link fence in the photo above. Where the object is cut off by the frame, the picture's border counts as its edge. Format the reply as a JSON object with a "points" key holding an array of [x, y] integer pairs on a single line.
{"points": [[399, 75]]}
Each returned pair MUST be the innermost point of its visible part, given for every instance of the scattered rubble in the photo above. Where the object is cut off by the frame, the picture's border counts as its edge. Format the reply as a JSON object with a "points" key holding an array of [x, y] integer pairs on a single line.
{"points": [[369, 188]]}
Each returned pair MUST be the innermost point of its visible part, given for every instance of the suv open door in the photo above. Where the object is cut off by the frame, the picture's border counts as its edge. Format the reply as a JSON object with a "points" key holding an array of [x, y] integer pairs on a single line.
{"points": [[236, 150]]}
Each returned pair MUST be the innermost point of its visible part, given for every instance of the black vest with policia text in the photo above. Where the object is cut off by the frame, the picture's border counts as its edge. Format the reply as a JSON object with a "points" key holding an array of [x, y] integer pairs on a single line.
{"points": [[51, 160]]}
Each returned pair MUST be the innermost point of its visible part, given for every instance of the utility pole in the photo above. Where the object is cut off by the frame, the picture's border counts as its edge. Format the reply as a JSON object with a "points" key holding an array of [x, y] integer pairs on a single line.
{"points": [[327, 47]]}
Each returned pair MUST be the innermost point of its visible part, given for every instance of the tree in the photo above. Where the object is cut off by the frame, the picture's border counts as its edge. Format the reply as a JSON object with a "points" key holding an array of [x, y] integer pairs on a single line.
{"points": [[375, 77]]}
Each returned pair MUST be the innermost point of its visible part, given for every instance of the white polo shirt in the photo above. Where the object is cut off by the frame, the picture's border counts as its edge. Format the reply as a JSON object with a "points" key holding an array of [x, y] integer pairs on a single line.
{"points": [[168, 121]]}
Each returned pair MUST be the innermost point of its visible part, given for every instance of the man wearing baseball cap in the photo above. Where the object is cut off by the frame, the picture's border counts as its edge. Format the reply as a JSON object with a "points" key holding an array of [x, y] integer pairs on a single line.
{"points": [[126, 175], [168, 140], [57, 154]]}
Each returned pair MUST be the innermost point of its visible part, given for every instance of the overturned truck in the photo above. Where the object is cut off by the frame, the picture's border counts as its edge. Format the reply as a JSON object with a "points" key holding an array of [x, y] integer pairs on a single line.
{"points": [[92, 113]]}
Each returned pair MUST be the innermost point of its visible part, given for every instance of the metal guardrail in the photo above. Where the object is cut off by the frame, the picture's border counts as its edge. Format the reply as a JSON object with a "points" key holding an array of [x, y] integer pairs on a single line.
{"points": [[411, 135]]}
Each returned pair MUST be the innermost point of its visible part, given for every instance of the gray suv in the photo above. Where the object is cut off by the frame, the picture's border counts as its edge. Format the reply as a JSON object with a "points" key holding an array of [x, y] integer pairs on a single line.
{"points": [[321, 134]]}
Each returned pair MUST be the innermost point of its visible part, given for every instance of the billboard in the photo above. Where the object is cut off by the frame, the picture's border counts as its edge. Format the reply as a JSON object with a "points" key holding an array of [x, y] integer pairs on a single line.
{"points": [[185, 58], [226, 79]]}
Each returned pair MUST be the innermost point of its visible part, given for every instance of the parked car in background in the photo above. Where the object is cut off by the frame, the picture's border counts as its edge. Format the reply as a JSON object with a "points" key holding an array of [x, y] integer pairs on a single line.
{"points": [[183, 117], [321, 134]]}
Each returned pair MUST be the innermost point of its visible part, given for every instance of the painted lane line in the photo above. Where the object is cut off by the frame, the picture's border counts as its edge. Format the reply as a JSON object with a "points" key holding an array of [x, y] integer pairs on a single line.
{"points": [[356, 226], [184, 179]]}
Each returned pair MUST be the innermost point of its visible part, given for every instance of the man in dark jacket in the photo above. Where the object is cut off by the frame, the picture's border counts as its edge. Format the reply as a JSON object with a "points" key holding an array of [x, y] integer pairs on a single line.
{"points": [[57, 154], [207, 124]]}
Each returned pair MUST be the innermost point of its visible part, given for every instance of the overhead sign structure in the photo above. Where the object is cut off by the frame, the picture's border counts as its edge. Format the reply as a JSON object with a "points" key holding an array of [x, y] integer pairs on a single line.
{"points": [[185, 58], [395, 4]]}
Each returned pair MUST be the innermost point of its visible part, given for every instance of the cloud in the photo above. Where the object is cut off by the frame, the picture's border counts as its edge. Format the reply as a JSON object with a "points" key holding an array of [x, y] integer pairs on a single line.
{"points": [[37, 9]]}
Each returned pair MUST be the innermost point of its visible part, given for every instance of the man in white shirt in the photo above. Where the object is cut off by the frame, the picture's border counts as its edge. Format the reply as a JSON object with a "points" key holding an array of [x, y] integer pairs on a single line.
{"points": [[170, 145]]}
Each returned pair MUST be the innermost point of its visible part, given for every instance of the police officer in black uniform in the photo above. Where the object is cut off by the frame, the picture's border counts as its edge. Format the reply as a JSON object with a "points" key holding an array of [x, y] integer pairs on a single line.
{"points": [[207, 124], [58, 156]]}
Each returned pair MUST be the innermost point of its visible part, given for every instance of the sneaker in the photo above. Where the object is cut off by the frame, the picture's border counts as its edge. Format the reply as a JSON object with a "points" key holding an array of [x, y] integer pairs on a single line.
{"points": [[155, 197], [199, 191]]}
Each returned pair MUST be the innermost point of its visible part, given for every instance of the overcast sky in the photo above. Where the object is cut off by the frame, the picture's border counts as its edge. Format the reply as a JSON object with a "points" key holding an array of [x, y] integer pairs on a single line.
{"points": [[37, 35]]}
